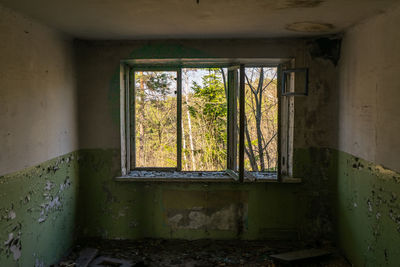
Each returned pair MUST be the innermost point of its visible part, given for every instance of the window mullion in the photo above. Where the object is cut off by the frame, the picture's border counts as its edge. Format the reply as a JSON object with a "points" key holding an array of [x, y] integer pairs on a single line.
{"points": [[132, 109], [241, 123], [179, 120], [232, 119], [122, 119], [127, 118]]}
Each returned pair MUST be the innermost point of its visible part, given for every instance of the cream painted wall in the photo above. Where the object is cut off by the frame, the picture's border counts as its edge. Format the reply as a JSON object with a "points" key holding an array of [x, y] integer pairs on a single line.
{"points": [[37, 93], [369, 118], [98, 75], [98, 66]]}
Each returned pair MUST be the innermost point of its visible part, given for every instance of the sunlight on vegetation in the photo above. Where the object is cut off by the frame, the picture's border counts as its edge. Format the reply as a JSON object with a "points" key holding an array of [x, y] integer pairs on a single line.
{"points": [[156, 119], [204, 119], [261, 150]]}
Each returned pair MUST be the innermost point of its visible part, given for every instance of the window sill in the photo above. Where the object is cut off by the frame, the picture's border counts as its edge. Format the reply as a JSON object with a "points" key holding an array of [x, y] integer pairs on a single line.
{"points": [[203, 177]]}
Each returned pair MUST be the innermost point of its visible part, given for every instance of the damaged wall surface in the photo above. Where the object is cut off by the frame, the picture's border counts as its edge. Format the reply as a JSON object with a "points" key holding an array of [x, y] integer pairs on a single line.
{"points": [[37, 212], [369, 126], [118, 210], [346, 147], [254, 211], [38, 178], [368, 213]]}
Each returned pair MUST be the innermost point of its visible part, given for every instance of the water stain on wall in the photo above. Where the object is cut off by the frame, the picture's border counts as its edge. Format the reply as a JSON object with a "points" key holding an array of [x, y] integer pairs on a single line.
{"points": [[311, 27], [301, 4], [205, 210]]}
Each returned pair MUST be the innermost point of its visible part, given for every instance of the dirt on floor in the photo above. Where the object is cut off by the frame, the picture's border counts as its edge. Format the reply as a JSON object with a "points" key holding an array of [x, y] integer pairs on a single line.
{"points": [[151, 252]]}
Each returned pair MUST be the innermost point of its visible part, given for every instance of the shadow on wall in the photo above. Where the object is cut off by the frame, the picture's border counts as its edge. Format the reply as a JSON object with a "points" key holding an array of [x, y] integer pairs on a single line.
{"points": [[133, 210]]}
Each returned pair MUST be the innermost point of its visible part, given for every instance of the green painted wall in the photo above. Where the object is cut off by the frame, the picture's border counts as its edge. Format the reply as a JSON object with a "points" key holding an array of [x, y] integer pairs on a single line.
{"points": [[128, 210], [37, 212], [40, 218], [368, 208], [355, 202]]}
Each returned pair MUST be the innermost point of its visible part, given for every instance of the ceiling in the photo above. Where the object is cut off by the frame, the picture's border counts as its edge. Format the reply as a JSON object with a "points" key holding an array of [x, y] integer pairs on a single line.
{"points": [[170, 19]]}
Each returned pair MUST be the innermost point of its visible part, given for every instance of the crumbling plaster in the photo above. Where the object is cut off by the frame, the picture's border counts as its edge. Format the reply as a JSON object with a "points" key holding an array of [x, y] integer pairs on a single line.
{"points": [[368, 179], [362, 107], [140, 208], [38, 212], [38, 132]]}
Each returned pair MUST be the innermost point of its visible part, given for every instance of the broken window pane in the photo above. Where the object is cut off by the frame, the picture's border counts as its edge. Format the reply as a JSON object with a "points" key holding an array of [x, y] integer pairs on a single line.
{"points": [[204, 119], [155, 119], [261, 119]]}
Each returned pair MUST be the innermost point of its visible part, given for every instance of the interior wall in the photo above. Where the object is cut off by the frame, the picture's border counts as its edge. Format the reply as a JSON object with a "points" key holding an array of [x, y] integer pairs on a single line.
{"points": [[38, 93], [369, 147], [111, 209], [369, 96], [38, 172]]}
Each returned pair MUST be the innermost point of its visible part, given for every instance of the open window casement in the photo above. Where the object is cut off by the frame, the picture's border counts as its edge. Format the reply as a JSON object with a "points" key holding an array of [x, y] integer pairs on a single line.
{"points": [[145, 101], [233, 126], [124, 117], [247, 102], [293, 82]]}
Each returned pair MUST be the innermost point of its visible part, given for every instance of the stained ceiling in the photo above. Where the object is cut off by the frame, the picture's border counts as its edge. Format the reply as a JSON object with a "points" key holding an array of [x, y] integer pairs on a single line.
{"points": [[170, 19]]}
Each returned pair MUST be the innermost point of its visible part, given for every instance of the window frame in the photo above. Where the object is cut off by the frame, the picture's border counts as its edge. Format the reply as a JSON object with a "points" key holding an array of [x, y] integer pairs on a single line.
{"points": [[285, 136]]}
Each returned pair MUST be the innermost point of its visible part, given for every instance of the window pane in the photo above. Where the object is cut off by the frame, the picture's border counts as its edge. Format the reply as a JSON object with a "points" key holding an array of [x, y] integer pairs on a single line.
{"points": [[204, 119], [261, 111], [155, 118]]}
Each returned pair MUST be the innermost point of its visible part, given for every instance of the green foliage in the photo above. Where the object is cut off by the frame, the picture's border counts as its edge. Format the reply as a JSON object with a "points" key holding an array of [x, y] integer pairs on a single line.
{"points": [[208, 107], [204, 120], [155, 119]]}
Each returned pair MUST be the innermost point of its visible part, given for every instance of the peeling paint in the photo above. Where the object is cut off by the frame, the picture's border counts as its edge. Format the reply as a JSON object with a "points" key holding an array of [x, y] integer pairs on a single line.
{"points": [[374, 227], [49, 207], [197, 218], [12, 215], [42, 193], [13, 243]]}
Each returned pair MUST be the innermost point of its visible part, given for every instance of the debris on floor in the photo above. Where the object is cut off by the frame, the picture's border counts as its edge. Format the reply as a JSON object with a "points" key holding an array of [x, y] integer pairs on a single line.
{"points": [[107, 261], [299, 255], [155, 252], [86, 256]]}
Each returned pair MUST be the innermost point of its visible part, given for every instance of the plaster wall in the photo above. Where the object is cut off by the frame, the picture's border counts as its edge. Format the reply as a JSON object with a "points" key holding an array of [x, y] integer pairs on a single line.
{"points": [[38, 136], [114, 209], [368, 166], [37, 93], [99, 83], [369, 122]]}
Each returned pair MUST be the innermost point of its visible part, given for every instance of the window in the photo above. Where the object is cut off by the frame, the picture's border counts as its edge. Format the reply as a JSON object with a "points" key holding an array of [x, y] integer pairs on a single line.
{"points": [[155, 118], [204, 121]]}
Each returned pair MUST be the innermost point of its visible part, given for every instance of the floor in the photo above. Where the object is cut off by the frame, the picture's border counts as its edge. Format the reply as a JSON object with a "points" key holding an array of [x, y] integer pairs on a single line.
{"points": [[194, 253]]}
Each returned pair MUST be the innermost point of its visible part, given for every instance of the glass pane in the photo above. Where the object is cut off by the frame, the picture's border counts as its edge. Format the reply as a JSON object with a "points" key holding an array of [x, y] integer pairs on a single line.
{"points": [[204, 119], [261, 111], [155, 118]]}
